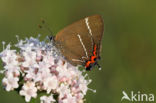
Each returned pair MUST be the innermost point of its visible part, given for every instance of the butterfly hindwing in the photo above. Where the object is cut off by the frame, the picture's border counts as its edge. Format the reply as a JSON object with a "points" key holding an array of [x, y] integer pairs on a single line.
{"points": [[73, 38]]}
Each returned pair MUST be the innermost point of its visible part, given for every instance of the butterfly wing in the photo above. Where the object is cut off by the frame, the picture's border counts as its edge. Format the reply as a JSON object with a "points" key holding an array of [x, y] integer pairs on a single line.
{"points": [[74, 39], [97, 27]]}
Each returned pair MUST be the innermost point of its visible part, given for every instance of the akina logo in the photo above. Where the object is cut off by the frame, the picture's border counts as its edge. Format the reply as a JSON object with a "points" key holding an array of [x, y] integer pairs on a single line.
{"points": [[137, 96]]}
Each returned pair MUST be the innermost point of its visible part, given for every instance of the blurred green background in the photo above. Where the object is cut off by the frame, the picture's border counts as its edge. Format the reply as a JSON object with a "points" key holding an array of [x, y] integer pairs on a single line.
{"points": [[129, 42]]}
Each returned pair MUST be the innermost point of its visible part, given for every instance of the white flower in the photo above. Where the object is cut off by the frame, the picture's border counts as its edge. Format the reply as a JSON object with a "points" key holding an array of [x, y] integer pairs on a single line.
{"points": [[64, 73], [41, 68], [10, 82], [80, 96], [29, 90], [69, 99], [63, 90], [29, 57], [12, 70], [43, 72], [80, 101], [48, 59], [50, 83], [83, 84], [47, 99], [31, 73], [9, 57]]}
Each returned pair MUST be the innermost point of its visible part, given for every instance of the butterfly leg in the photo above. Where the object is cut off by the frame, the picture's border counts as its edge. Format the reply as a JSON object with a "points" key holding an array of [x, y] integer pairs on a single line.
{"points": [[77, 60], [84, 58]]}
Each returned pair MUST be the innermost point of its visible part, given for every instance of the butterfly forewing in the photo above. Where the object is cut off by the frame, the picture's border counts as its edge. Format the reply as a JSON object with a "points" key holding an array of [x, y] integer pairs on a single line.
{"points": [[75, 41]]}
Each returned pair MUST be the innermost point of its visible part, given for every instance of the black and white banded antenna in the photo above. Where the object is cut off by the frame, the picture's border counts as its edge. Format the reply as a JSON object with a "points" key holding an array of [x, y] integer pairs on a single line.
{"points": [[45, 26]]}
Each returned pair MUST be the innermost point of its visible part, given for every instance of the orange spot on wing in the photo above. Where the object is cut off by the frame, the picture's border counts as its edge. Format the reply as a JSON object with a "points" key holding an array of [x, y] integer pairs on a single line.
{"points": [[92, 59]]}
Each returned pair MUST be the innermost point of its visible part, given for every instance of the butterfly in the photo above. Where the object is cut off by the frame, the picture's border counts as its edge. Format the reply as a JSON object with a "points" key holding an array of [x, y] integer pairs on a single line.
{"points": [[80, 42]]}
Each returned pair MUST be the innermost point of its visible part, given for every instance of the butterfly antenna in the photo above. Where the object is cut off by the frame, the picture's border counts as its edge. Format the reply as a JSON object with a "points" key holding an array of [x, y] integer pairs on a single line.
{"points": [[45, 26]]}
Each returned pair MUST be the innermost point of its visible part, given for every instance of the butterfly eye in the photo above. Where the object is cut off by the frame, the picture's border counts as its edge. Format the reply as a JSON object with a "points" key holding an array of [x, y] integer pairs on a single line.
{"points": [[51, 38]]}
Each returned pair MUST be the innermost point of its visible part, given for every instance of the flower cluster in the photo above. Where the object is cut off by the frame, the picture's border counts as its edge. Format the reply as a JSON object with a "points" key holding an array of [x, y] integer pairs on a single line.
{"points": [[36, 67]]}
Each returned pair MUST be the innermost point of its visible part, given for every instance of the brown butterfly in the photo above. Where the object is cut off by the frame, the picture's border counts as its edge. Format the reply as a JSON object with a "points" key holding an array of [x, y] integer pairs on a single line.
{"points": [[80, 42]]}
